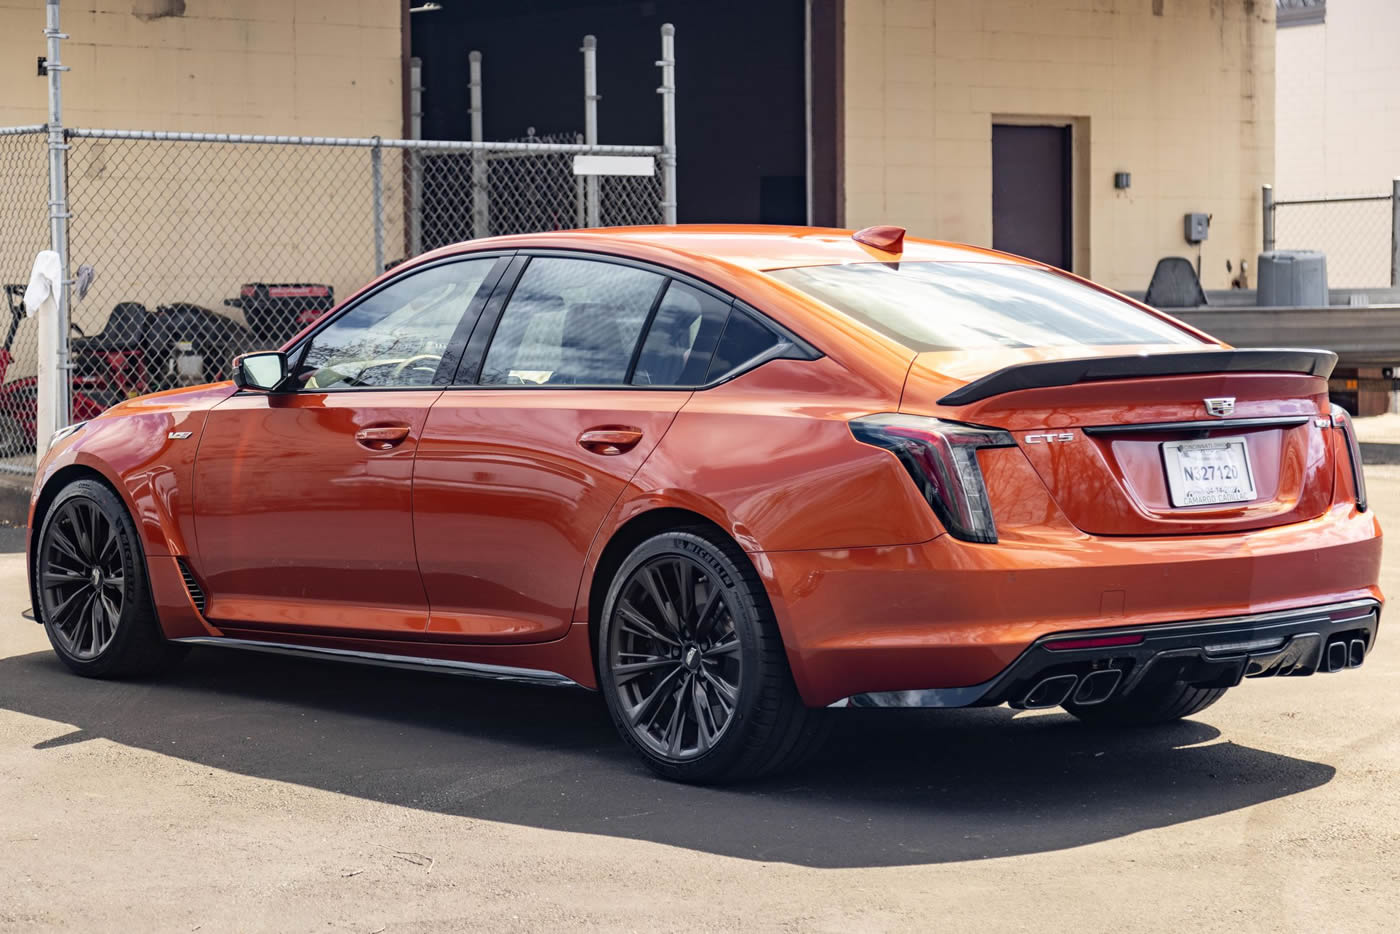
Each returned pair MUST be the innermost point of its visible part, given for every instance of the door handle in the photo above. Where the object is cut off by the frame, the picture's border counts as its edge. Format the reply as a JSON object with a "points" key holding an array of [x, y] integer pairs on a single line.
{"points": [[610, 440], [382, 439]]}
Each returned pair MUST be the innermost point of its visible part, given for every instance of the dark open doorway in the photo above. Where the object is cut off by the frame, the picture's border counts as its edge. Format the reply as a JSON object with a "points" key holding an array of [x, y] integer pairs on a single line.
{"points": [[741, 99], [1032, 206]]}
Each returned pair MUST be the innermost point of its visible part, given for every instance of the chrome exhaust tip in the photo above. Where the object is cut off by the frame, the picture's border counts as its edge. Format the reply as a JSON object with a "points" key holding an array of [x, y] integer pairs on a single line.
{"points": [[1049, 692], [1357, 653], [1338, 654], [1097, 687]]}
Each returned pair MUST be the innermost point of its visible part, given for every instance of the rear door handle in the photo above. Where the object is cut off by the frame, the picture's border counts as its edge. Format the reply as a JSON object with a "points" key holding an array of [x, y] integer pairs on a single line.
{"points": [[610, 439], [382, 439]]}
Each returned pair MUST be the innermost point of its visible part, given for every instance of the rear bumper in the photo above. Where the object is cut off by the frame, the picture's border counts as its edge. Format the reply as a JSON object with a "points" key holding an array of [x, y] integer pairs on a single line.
{"points": [[947, 614], [1210, 653]]}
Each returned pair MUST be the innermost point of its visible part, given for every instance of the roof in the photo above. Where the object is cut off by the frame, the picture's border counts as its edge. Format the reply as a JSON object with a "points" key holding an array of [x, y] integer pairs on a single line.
{"points": [[758, 247]]}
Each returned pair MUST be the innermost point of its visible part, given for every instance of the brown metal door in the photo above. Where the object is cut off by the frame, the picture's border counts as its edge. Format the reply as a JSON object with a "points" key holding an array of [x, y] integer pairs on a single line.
{"points": [[1031, 192]]}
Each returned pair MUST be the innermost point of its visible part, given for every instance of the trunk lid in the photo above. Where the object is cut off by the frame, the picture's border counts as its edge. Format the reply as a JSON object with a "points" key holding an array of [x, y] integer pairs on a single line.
{"points": [[1134, 443]]}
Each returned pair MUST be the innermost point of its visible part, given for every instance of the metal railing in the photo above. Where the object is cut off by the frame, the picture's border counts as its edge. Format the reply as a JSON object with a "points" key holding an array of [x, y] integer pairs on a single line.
{"points": [[1359, 233]]}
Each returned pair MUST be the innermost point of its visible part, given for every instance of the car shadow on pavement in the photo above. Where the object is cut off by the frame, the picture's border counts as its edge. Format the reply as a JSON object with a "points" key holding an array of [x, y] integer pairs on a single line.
{"points": [[891, 788]]}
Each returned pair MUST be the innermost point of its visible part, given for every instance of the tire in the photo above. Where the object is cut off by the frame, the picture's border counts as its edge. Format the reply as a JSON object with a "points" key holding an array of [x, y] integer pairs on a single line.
{"points": [[692, 665], [1149, 704], [88, 546]]}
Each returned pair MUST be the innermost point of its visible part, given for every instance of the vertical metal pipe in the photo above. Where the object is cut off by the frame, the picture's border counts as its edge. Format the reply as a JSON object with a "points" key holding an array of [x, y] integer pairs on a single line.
{"points": [[1268, 200], [807, 102], [415, 157], [481, 194], [590, 124], [668, 123], [54, 377], [1394, 232], [376, 171], [580, 199]]}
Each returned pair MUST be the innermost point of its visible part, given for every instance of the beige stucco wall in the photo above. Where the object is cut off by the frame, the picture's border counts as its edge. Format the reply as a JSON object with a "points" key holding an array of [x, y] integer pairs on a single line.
{"points": [[1338, 97], [1182, 100], [312, 67]]}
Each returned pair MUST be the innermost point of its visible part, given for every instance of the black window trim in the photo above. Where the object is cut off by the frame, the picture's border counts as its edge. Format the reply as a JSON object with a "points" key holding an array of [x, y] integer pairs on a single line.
{"points": [[456, 343], [789, 346]]}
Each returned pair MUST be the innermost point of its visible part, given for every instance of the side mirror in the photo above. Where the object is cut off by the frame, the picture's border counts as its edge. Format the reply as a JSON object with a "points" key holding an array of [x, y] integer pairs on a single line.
{"points": [[264, 371]]}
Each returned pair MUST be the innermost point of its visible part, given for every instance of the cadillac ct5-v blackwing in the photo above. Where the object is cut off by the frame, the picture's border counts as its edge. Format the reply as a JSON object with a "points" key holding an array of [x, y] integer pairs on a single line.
{"points": [[729, 476]]}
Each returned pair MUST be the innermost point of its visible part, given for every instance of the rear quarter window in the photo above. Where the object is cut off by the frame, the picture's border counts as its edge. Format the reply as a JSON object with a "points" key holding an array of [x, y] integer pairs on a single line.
{"points": [[744, 339]]}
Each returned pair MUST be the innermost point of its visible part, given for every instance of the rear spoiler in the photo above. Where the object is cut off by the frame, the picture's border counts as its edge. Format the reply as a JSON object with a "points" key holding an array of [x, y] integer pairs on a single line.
{"points": [[1092, 369]]}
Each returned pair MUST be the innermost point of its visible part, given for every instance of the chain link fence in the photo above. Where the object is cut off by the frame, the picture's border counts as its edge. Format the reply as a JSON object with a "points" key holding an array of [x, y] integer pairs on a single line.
{"points": [[1356, 232], [207, 246], [24, 231]]}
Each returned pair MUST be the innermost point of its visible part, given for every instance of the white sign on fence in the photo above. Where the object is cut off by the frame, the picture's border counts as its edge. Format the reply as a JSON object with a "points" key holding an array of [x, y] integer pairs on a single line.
{"points": [[614, 165]]}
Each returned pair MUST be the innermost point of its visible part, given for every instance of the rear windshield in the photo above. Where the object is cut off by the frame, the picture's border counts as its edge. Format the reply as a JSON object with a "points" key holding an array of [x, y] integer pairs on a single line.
{"points": [[952, 306]]}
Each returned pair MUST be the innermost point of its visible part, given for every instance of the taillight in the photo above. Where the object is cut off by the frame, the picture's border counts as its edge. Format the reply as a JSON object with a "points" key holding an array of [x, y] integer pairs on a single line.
{"points": [[941, 457], [1341, 420]]}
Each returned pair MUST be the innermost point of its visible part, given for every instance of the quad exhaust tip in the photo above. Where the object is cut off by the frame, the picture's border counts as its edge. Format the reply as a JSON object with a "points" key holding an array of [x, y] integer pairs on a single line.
{"points": [[1097, 687], [1339, 655], [1357, 653], [1050, 692]]}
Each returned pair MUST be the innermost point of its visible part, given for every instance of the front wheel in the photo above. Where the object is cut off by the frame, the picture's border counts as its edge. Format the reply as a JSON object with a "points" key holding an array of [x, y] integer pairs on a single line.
{"points": [[692, 665], [90, 576]]}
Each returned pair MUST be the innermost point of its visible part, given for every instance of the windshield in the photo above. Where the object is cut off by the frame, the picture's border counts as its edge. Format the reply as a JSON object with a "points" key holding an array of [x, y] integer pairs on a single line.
{"points": [[954, 306]]}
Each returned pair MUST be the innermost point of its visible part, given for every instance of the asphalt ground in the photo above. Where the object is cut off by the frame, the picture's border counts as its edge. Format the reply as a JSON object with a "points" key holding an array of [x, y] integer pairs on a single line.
{"points": [[256, 793]]}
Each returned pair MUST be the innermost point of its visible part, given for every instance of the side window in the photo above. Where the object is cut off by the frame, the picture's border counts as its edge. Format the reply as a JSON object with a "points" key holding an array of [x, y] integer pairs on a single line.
{"points": [[681, 338], [395, 337], [743, 339], [570, 321]]}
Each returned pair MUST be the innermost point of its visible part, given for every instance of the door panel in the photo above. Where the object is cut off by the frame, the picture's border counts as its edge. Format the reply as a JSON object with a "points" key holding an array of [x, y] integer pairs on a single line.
{"points": [[510, 486], [302, 524], [1031, 192]]}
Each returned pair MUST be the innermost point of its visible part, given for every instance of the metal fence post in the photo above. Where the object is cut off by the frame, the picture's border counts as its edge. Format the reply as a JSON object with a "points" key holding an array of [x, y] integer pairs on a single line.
{"points": [[1268, 201], [415, 157], [53, 369], [580, 198], [1394, 232], [668, 123], [376, 170], [590, 123], [481, 194]]}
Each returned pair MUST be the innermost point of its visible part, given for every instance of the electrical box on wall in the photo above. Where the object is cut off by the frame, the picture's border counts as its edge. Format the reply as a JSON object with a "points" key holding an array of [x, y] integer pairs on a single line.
{"points": [[1197, 227]]}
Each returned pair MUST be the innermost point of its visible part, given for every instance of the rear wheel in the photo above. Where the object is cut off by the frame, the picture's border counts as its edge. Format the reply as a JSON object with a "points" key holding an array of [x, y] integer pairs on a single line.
{"points": [[692, 665], [1149, 704], [94, 599]]}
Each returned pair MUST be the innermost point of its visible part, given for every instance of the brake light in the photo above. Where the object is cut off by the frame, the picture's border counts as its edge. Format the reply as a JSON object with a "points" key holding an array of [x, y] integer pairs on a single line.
{"points": [[941, 458], [1340, 419]]}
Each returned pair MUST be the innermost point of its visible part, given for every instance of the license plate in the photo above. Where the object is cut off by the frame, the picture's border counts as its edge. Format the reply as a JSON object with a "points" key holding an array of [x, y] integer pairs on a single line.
{"points": [[1204, 473]]}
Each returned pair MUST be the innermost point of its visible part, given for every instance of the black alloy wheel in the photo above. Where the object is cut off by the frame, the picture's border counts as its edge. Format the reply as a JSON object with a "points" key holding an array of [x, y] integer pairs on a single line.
{"points": [[82, 579], [676, 659], [692, 665], [90, 578]]}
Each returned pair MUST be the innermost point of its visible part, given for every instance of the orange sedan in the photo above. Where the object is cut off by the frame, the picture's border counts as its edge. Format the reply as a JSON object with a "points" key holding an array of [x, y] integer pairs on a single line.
{"points": [[728, 477]]}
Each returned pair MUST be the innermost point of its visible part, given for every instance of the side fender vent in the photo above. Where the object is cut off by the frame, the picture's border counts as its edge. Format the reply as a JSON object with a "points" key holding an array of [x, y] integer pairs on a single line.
{"points": [[192, 585]]}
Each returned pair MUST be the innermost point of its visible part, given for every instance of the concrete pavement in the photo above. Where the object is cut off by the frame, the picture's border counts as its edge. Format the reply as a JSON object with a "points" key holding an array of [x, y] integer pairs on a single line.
{"points": [[255, 793]]}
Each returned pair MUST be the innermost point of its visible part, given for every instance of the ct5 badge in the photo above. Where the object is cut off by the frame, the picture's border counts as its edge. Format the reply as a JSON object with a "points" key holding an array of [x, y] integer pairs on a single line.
{"points": [[1050, 437]]}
